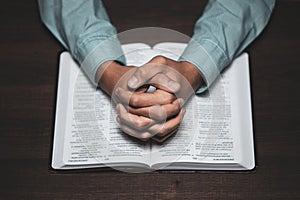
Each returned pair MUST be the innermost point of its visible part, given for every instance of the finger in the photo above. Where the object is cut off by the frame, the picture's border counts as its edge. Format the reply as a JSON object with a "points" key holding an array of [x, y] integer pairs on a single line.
{"points": [[161, 130], [121, 95], [141, 76], [134, 121], [142, 89], [139, 99], [142, 135], [164, 82], [158, 97], [158, 112], [163, 139], [146, 72]]}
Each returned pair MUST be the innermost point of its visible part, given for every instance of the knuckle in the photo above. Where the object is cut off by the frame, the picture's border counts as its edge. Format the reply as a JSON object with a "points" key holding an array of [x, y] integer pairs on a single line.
{"points": [[141, 71], [140, 123], [162, 132], [175, 109], [144, 137], [159, 59], [170, 98], [134, 101]]}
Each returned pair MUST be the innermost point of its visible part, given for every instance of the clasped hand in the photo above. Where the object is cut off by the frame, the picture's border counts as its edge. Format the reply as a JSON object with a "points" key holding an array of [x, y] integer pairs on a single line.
{"points": [[143, 114]]}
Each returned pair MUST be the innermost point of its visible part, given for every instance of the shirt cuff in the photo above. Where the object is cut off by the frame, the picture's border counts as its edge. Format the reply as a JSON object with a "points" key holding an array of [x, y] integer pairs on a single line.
{"points": [[209, 59], [95, 51]]}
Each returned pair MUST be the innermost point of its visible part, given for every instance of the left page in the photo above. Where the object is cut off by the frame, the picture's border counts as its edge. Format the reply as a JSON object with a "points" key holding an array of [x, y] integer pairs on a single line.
{"points": [[86, 134]]}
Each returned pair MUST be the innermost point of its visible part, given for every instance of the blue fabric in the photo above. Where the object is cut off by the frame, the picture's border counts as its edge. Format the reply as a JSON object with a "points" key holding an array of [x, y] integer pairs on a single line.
{"points": [[223, 32], [220, 34], [83, 27]]}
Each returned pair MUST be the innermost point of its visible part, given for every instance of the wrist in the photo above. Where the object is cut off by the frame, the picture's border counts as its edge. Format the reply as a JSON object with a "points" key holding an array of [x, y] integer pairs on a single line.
{"points": [[108, 74], [192, 74]]}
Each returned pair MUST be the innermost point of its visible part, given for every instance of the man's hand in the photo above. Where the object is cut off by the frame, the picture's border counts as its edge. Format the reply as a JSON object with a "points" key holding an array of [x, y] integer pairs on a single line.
{"points": [[142, 114], [144, 111], [109, 74], [184, 73]]}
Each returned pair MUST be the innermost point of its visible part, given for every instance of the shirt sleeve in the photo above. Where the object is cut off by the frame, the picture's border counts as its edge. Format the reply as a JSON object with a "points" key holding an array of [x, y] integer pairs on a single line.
{"points": [[83, 27], [223, 32]]}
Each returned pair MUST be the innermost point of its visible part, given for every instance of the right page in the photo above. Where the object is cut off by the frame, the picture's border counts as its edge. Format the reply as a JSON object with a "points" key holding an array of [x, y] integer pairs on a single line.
{"points": [[216, 132]]}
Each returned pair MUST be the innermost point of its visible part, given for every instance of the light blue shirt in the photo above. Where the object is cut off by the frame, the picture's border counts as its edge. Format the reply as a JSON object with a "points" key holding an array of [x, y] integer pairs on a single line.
{"points": [[220, 34]]}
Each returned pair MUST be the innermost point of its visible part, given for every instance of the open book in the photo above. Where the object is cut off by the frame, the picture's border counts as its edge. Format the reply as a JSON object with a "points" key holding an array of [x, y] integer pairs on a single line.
{"points": [[216, 132]]}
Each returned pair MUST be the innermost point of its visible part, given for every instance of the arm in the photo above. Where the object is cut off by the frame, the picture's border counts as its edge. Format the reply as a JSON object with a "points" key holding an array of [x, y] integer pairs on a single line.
{"points": [[158, 114], [222, 33], [83, 27], [224, 30]]}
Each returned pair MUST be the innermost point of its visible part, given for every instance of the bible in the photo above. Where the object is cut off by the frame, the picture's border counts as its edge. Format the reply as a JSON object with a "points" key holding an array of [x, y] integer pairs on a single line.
{"points": [[216, 132]]}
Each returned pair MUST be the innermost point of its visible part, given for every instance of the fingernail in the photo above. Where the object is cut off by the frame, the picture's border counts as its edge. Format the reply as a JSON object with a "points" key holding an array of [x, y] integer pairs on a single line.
{"points": [[132, 81], [117, 91], [181, 102], [173, 85]]}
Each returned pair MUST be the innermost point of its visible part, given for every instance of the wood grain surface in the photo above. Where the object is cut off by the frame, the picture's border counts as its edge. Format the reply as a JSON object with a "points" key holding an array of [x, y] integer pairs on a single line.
{"points": [[28, 81]]}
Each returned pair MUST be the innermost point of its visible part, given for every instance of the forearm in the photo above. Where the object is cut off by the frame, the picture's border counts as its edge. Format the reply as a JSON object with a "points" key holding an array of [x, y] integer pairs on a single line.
{"points": [[83, 27], [109, 74], [224, 30], [191, 74]]}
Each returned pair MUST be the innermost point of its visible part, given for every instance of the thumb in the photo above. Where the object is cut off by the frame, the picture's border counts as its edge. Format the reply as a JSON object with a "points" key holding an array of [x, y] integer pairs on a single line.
{"points": [[153, 74], [164, 82], [142, 75]]}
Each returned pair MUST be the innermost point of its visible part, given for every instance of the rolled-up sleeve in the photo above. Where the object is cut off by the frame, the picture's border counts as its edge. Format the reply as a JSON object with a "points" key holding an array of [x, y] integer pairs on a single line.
{"points": [[224, 30], [83, 27]]}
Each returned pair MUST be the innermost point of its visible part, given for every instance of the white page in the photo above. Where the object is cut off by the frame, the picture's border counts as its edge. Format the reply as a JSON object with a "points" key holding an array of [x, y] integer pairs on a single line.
{"points": [[95, 136], [95, 152], [242, 119], [216, 136], [86, 131]]}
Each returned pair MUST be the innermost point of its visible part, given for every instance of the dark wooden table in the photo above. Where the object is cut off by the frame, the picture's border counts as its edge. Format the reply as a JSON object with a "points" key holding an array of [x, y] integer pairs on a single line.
{"points": [[29, 67]]}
